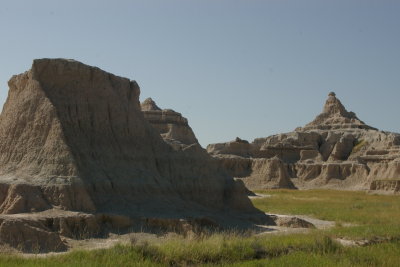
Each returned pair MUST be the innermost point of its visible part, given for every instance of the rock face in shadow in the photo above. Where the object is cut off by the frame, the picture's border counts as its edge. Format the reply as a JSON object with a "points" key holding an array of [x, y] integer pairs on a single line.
{"points": [[336, 150], [74, 138]]}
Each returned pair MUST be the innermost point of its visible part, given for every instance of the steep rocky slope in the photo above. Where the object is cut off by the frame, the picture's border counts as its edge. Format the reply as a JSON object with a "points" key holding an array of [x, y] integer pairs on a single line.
{"points": [[78, 158], [335, 150]]}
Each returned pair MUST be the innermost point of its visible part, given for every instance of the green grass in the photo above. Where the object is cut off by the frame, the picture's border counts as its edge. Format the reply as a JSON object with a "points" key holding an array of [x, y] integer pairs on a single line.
{"points": [[375, 255], [360, 144], [387, 180], [116, 256], [369, 217]]}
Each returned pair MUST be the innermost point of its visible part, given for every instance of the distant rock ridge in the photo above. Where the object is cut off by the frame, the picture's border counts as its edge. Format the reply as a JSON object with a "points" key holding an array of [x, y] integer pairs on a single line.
{"points": [[335, 150], [171, 125]]}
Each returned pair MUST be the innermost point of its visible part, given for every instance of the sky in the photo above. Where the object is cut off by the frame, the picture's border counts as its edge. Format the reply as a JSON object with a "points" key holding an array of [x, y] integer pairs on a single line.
{"points": [[246, 68]]}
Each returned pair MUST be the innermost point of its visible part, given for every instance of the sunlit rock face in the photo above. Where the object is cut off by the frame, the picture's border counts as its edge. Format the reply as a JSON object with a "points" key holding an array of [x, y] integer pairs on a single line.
{"points": [[171, 125], [335, 150], [335, 116]]}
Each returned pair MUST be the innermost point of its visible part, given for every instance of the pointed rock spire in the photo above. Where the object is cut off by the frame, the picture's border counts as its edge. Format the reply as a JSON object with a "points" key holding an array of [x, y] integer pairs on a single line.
{"points": [[149, 104], [333, 106], [335, 116]]}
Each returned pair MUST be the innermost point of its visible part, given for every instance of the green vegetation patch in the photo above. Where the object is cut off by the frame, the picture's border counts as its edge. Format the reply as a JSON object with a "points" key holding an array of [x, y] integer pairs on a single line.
{"points": [[358, 216], [387, 180], [369, 215], [359, 144]]}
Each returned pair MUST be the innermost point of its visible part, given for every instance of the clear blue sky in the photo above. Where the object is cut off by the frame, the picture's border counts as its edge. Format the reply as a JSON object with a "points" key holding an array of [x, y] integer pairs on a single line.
{"points": [[234, 68]]}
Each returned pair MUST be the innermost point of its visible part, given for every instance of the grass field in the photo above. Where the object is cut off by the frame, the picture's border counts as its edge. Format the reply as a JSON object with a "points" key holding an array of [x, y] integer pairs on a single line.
{"points": [[358, 216]]}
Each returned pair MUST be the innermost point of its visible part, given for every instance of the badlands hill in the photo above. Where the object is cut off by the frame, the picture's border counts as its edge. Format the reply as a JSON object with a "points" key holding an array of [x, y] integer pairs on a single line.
{"points": [[336, 150], [171, 125], [78, 157]]}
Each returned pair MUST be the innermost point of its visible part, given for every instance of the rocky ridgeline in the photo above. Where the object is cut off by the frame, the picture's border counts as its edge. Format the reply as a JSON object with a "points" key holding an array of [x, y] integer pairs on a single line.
{"points": [[78, 158], [336, 150], [173, 128]]}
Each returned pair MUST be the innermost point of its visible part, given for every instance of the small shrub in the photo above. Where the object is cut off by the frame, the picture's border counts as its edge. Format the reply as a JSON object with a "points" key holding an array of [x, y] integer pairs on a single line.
{"points": [[358, 145]]}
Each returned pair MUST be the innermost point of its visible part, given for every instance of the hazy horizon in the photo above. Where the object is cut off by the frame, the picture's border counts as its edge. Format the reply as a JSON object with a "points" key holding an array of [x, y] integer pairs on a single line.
{"points": [[232, 68]]}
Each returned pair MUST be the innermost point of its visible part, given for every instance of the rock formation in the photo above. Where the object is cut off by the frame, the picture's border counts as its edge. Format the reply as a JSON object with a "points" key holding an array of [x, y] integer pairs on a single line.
{"points": [[335, 150], [335, 116], [78, 158], [173, 128]]}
